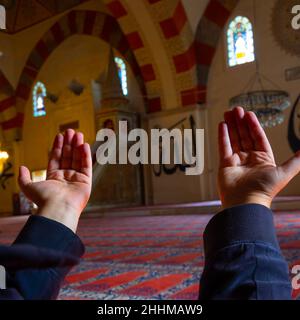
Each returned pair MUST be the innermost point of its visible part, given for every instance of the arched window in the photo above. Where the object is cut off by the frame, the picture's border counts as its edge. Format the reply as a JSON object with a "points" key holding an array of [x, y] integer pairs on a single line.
{"points": [[122, 74], [39, 94], [240, 43]]}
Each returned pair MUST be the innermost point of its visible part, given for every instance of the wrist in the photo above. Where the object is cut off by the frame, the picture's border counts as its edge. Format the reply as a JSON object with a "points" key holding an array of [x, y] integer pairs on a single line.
{"points": [[62, 212], [248, 199]]}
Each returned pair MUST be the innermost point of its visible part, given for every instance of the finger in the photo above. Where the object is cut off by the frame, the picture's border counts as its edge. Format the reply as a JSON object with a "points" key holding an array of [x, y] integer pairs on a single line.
{"points": [[225, 149], [290, 168], [258, 135], [76, 157], [233, 131], [24, 178], [56, 153], [244, 134], [86, 160], [67, 153]]}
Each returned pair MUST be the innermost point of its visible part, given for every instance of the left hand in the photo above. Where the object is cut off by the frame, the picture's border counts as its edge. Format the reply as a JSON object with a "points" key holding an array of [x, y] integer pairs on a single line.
{"points": [[65, 193]]}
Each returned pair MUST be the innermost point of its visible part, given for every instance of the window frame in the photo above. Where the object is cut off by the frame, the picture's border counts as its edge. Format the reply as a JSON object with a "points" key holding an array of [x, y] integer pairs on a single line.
{"points": [[118, 61], [226, 42], [39, 113]]}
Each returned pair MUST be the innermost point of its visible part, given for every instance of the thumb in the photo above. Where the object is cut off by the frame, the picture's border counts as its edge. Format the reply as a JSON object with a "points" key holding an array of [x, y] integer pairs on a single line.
{"points": [[24, 177], [291, 167]]}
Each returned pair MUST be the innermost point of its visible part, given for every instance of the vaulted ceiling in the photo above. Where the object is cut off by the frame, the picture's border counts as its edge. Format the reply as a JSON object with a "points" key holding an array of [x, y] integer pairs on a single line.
{"points": [[156, 39], [22, 14]]}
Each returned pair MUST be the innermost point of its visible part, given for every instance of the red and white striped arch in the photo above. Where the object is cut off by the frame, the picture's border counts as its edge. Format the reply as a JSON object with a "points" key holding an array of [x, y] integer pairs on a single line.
{"points": [[91, 23], [139, 46], [191, 56], [208, 33], [120, 30], [178, 38]]}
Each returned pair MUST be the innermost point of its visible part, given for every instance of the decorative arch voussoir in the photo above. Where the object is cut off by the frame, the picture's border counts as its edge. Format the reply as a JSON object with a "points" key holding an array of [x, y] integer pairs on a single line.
{"points": [[173, 23], [134, 39], [207, 38], [91, 23]]}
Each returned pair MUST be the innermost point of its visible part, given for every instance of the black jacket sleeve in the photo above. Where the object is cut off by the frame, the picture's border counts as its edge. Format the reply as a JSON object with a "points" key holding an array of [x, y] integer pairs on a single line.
{"points": [[38, 284], [242, 256]]}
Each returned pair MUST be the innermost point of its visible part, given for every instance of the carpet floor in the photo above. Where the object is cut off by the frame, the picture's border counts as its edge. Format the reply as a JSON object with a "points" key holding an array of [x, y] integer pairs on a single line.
{"points": [[156, 257]]}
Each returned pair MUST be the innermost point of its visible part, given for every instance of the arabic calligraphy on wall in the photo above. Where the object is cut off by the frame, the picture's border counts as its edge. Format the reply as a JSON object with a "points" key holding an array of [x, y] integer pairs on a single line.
{"points": [[184, 123]]}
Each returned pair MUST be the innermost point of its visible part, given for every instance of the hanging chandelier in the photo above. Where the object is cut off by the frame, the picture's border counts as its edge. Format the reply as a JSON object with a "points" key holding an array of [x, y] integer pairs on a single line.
{"points": [[267, 104]]}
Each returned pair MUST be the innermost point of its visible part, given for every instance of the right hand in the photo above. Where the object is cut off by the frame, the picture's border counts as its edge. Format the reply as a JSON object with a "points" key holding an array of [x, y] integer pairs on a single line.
{"points": [[248, 172]]}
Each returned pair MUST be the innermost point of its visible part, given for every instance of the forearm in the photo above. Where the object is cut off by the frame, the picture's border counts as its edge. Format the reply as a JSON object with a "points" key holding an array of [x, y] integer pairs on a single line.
{"points": [[62, 212], [242, 257]]}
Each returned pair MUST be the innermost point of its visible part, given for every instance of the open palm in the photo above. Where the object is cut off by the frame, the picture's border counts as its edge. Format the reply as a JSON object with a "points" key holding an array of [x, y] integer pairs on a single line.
{"points": [[69, 175], [248, 172]]}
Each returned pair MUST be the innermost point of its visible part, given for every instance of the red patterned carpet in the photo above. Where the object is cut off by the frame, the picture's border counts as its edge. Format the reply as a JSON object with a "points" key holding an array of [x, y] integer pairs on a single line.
{"points": [[157, 257]]}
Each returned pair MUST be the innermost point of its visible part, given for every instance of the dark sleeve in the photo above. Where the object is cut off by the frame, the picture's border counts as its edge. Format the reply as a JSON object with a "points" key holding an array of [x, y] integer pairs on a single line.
{"points": [[242, 256], [41, 284]]}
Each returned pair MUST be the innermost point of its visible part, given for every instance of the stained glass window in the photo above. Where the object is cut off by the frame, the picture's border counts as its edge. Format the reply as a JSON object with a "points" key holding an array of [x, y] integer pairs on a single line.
{"points": [[122, 74], [39, 95], [240, 41]]}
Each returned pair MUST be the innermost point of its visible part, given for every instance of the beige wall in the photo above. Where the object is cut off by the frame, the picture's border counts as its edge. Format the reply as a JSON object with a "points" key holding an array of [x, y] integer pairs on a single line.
{"points": [[225, 82], [178, 187]]}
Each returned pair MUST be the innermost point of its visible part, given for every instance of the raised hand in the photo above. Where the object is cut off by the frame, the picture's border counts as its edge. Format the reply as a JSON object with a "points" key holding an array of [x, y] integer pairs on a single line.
{"points": [[248, 172], [65, 193]]}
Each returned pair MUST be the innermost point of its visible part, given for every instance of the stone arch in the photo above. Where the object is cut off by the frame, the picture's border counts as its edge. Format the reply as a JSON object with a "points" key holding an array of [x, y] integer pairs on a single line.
{"points": [[208, 33], [91, 23], [139, 45], [175, 29]]}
